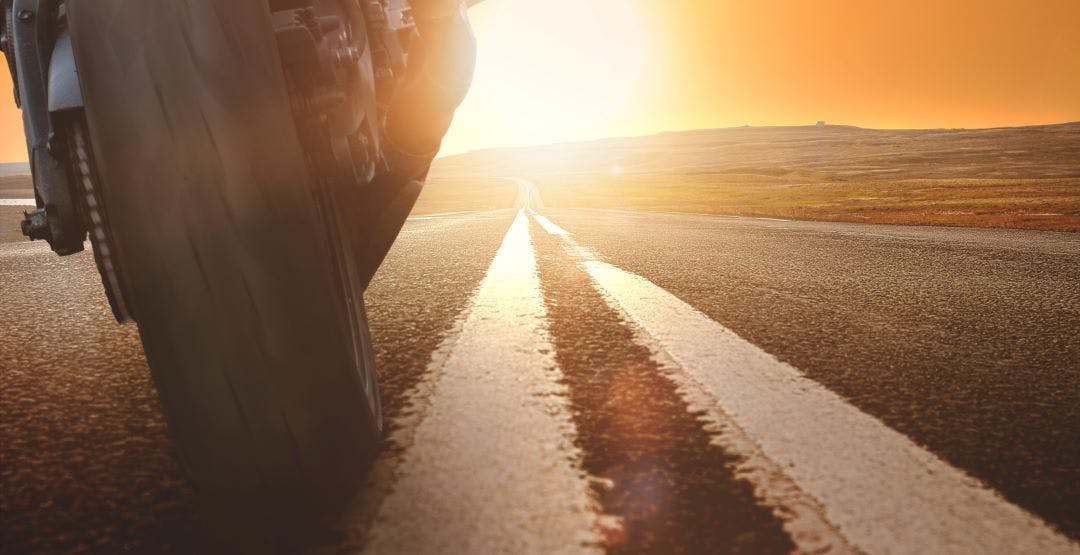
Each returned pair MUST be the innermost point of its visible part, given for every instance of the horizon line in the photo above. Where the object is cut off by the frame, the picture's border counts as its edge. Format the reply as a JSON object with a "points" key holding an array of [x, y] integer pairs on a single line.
{"points": [[822, 123], [748, 126]]}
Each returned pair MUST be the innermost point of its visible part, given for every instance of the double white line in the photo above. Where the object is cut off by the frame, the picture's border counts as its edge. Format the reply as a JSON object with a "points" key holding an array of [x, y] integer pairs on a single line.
{"points": [[493, 468], [879, 490]]}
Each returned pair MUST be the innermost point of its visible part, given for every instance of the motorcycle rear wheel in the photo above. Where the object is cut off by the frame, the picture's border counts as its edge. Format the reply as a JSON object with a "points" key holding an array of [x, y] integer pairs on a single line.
{"points": [[250, 313]]}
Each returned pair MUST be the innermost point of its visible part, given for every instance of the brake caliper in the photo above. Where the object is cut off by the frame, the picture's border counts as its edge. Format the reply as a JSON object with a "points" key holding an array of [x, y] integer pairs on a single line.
{"points": [[341, 59]]}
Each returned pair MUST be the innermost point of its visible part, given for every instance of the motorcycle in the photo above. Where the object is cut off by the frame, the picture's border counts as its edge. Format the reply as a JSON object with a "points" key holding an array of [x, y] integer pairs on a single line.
{"points": [[227, 162]]}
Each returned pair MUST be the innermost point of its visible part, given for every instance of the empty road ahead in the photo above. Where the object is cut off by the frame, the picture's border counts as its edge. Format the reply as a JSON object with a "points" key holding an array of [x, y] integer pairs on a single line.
{"points": [[591, 380]]}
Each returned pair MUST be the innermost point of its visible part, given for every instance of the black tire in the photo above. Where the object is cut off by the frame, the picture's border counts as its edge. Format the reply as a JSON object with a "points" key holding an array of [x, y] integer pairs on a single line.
{"points": [[250, 314]]}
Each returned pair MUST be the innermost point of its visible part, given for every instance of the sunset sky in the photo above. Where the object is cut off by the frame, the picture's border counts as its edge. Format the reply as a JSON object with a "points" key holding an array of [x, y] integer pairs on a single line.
{"points": [[557, 70]]}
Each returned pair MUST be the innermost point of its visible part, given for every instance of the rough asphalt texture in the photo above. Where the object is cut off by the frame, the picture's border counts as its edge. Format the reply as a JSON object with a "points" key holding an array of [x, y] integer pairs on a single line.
{"points": [[964, 340], [424, 284], [86, 460], [656, 469]]}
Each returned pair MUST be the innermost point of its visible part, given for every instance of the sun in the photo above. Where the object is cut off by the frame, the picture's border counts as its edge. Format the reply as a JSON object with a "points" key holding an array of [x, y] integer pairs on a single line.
{"points": [[549, 71]]}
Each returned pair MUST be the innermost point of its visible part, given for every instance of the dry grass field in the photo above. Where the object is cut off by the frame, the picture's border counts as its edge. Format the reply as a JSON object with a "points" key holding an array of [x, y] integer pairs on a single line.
{"points": [[13, 187], [1017, 203], [439, 195], [16, 186], [1024, 177], [1027, 177], [10, 217], [451, 194]]}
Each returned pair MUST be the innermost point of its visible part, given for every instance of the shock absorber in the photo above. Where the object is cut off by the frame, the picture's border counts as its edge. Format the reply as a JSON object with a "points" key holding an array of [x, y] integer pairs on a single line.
{"points": [[30, 32]]}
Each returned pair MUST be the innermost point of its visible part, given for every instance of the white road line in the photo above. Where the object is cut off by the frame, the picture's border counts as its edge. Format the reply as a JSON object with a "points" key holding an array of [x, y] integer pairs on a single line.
{"points": [[528, 194], [879, 489], [492, 467], [17, 202]]}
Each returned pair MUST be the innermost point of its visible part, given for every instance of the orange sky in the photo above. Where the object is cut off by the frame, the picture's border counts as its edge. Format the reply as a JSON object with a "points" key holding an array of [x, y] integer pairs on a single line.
{"points": [[881, 63], [577, 69]]}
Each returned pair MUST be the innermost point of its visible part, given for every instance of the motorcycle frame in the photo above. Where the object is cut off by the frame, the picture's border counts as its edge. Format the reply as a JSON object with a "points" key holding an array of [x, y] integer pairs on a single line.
{"points": [[46, 85]]}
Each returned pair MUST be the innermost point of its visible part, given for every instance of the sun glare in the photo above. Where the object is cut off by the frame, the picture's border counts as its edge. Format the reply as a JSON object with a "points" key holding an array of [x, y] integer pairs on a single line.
{"points": [[548, 71]]}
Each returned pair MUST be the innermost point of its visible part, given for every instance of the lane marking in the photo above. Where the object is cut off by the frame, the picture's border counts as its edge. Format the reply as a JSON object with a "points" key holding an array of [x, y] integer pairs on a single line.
{"points": [[528, 195], [492, 467], [17, 202], [879, 489], [802, 516]]}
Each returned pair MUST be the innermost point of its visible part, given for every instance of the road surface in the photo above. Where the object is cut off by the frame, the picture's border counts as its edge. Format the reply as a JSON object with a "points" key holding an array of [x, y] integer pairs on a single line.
{"points": [[591, 380]]}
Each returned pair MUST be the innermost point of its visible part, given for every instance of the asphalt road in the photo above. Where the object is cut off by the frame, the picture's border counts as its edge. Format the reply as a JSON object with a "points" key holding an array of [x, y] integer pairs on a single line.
{"points": [[967, 341], [601, 380], [86, 458]]}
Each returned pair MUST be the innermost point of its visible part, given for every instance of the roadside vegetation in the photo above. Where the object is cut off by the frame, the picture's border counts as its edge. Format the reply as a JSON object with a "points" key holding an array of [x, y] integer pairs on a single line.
{"points": [[439, 195], [1021, 177], [1025, 177], [13, 187], [10, 216], [1048, 204], [442, 195], [16, 186]]}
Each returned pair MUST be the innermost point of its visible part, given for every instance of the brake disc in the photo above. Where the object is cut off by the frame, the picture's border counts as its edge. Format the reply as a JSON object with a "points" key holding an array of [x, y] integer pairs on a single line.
{"points": [[86, 184]]}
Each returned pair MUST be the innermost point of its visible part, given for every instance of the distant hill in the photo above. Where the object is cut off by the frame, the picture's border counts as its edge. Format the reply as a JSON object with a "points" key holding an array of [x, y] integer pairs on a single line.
{"points": [[829, 153]]}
